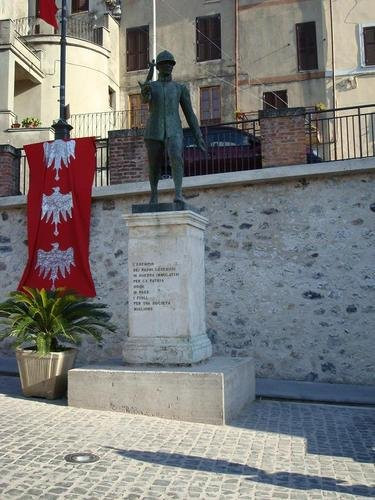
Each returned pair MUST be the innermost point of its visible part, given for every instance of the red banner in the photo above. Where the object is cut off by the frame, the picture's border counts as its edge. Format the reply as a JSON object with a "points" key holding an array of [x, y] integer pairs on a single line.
{"points": [[58, 211], [47, 12]]}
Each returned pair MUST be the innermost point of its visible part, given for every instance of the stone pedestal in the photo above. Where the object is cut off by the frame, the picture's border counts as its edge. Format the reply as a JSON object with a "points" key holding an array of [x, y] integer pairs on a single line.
{"points": [[166, 289], [167, 328]]}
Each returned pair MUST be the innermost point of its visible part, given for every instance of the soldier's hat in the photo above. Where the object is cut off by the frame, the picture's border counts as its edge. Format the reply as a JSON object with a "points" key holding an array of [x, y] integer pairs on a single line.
{"points": [[165, 56]]}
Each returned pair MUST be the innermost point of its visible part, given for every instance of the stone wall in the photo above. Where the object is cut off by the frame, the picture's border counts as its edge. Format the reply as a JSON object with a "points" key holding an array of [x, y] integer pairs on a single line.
{"points": [[289, 268]]}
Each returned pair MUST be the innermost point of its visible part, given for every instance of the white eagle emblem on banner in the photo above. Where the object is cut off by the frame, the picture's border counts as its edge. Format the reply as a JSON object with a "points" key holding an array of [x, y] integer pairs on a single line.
{"points": [[54, 262], [59, 152], [55, 205]]}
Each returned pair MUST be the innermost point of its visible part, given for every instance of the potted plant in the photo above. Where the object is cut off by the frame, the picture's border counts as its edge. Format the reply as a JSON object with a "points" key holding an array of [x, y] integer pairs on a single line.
{"points": [[30, 122], [42, 323], [15, 124]]}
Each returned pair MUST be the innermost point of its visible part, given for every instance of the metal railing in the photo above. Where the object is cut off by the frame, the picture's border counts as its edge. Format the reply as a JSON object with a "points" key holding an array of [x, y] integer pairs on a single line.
{"points": [[342, 133], [231, 147], [101, 177], [339, 134], [99, 124], [81, 28]]}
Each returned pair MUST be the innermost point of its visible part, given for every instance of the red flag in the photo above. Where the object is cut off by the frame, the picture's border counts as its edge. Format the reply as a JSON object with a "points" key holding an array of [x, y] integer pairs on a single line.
{"points": [[58, 215], [47, 12]]}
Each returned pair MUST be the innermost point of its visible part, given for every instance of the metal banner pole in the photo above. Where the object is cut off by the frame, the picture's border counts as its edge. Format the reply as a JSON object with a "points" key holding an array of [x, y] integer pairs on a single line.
{"points": [[62, 127]]}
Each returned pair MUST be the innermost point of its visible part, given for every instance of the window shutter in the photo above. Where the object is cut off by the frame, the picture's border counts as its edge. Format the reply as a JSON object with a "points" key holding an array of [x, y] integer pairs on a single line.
{"points": [[208, 38], [210, 105], [306, 46], [215, 37], [143, 56], [137, 48], [80, 6], [369, 45], [130, 50], [201, 24]]}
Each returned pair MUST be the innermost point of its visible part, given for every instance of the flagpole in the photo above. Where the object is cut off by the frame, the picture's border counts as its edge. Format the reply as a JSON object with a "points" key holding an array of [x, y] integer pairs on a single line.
{"points": [[62, 127], [154, 34]]}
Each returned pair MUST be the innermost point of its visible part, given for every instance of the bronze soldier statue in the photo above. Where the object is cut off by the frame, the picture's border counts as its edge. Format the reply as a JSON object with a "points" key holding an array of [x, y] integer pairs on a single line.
{"points": [[163, 130]]}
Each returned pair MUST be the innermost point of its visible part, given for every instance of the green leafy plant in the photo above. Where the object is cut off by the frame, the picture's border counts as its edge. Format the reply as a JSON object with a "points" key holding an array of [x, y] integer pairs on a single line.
{"points": [[31, 121], [320, 106], [48, 319]]}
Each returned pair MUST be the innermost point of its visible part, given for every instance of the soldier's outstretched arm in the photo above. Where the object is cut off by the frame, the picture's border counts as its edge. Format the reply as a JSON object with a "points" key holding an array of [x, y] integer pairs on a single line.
{"points": [[187, 108], [145, 91]]}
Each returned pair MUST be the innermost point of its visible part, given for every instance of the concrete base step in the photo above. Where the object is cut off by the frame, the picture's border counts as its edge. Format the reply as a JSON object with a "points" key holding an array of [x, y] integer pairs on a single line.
{"points": [[213, 391], [315, 391]]}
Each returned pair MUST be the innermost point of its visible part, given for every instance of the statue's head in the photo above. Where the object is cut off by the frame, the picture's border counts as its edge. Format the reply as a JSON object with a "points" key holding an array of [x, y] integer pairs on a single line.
{"points": [[165, 62]]}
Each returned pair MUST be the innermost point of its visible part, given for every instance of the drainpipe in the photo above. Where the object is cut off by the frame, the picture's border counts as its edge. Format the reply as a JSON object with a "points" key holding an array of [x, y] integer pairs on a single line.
{"points": [[236, 56], [333, 55]]}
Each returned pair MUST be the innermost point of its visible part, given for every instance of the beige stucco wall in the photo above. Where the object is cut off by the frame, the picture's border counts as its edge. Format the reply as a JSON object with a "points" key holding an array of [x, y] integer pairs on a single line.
{"points": [[91, 70], [13, 9], [176, 33], [268, 52], [355, 82], [268, 49]]}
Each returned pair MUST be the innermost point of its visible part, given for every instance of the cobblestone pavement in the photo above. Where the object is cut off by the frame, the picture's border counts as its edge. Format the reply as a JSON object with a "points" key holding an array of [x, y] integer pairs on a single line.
{"points": [[273, 450]]}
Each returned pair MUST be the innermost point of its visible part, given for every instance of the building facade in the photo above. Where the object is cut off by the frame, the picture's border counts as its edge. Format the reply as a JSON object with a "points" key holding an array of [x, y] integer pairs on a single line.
{"points": [[236, 56]]}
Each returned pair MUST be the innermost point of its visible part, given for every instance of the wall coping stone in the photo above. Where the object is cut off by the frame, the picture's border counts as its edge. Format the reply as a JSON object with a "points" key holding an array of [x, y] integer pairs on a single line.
{"points": [[246, 177], [276, 113], [7, 148], [131, 132]]}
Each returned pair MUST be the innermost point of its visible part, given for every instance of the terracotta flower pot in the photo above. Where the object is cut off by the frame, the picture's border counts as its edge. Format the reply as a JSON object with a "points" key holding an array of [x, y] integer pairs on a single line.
{"points": [[45, 376]]}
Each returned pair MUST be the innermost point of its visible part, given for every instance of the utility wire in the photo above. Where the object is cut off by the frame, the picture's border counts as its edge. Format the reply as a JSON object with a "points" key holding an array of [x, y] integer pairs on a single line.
{"points": [[221, 50], [222, 79]]}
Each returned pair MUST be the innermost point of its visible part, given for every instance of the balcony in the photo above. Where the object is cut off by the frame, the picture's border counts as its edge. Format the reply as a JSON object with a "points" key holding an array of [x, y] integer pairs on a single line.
{"points": [[84, 28]]}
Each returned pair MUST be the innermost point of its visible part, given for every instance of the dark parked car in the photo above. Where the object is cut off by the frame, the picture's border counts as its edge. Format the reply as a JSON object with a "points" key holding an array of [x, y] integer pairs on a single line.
{"points": [[228, 150]]}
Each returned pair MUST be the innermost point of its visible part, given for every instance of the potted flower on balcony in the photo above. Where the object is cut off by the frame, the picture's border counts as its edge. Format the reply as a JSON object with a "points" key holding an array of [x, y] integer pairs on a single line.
{"points": [[15, 124], [42, 323], [30, 122]]}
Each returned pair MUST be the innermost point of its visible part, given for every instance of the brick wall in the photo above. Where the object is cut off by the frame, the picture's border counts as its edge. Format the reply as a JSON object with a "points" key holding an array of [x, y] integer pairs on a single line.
{"points": [[283, 137], [127, 156], [9, 170]]}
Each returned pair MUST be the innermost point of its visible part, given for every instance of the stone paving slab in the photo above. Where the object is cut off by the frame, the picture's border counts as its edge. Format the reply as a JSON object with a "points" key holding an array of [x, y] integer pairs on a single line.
{"points": [[273, 450]]}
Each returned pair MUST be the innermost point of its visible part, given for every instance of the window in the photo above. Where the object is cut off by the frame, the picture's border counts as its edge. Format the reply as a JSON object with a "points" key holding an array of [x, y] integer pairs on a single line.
{"points": [[137, 45], [210, 105], [208, 38], [111, 98], [80, 6], [306, 46], [138, 111], [369, 45], [275, 100]]}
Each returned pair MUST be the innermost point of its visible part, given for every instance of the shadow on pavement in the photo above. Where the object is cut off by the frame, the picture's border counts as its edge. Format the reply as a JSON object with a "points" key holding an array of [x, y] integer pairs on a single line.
{"points": [[283, 479], [11, 387], [340, 431]]}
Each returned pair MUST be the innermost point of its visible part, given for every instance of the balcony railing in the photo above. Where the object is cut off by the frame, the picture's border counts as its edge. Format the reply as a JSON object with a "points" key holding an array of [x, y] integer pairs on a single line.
{"points": [[99, 124], [331, 135], [81, 28], [342, 133]]}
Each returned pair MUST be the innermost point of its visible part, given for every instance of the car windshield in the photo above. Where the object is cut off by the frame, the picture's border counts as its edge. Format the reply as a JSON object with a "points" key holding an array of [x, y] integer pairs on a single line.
{"points": [[220, 138]]}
